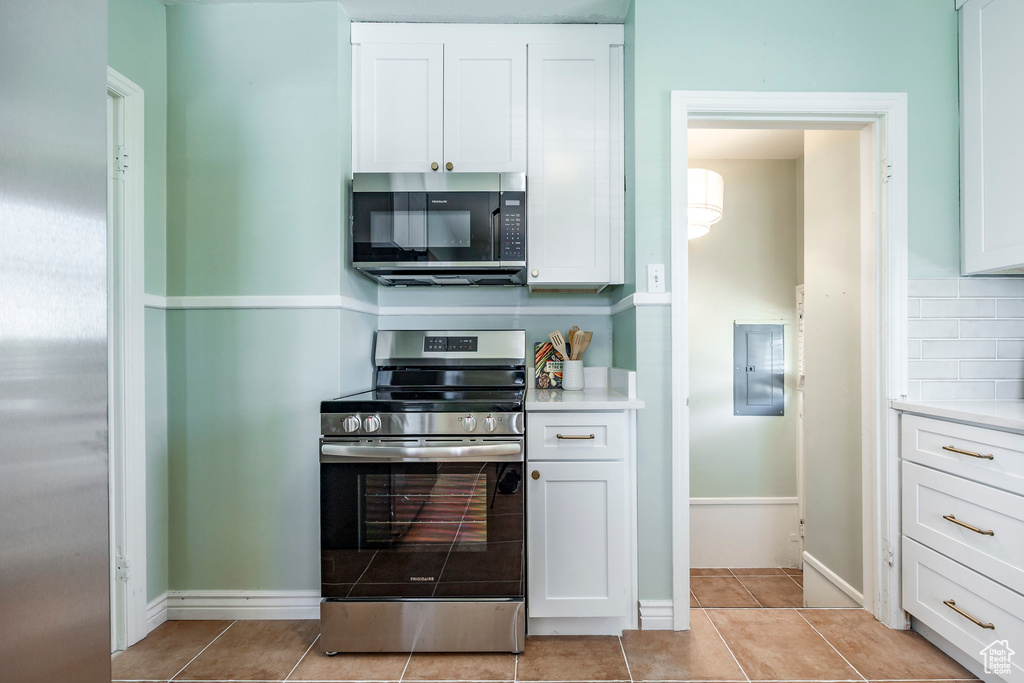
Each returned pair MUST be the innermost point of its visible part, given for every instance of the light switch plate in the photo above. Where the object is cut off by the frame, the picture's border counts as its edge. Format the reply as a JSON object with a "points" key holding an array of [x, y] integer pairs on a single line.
{"points": [[656, 278]]}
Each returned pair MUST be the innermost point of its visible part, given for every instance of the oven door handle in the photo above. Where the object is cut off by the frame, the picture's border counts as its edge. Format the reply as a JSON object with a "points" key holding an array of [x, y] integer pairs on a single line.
{"points": [[492, 452]]}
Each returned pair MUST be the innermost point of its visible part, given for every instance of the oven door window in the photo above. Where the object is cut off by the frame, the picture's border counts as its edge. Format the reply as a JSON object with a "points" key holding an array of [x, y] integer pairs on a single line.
{"points": [[422, 530], [401, 227]]}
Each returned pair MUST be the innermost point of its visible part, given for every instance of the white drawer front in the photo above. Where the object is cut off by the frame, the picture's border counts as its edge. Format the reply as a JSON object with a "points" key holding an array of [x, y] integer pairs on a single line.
{"points": [[930, 579], [928, 442], [575, 436], [932, 500]]}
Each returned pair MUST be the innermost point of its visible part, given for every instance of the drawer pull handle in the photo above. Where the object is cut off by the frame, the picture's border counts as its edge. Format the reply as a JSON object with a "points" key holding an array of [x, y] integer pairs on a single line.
{"points": [[951, 518], [575, 436], [953, 449], [951, 604]]}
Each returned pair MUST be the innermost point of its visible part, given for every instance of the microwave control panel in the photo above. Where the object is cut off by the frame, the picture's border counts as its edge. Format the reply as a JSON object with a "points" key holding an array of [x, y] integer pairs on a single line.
{"points": [[512, 236]]}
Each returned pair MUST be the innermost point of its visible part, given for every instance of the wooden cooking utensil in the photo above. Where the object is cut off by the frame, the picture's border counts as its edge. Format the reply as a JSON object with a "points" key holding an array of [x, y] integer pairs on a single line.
{"points": [[558, 341], [569, 341], [577, 344], [579, 347]]}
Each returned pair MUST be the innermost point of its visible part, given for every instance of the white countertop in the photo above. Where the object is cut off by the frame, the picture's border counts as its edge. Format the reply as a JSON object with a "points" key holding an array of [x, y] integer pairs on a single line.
{"points": [[1004, 414], [606, 389]]}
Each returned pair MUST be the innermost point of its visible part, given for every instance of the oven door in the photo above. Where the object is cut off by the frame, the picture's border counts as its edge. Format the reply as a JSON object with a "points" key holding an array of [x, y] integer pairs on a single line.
{"points": [[421, 518], [432, 229]]}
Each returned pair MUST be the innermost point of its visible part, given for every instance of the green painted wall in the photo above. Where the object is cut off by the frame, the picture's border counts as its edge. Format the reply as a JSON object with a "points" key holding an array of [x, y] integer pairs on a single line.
{"points": [[137, 48], [792, 45], [745, 269], [258, 129]]}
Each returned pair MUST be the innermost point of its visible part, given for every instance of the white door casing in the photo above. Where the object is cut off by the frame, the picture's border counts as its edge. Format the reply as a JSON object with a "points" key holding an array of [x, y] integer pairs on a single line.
{"points": [[485, 108], [884, 379], [127, 437], [399, 122]]}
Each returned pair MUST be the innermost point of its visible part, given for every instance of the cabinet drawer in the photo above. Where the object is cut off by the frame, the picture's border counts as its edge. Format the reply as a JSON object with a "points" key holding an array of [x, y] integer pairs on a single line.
{"points": [[575, 436], [929, 442], [930, 579], [931, 500]]}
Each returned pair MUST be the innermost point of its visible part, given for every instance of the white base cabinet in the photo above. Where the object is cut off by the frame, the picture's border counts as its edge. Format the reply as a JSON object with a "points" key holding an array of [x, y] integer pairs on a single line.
{"points": [[580, 528]]}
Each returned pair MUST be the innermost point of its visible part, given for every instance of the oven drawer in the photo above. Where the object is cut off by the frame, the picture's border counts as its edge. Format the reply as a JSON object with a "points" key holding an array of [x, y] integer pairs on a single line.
{"points": [[933, 585], [576, 436], [986, 455], [974, 524]]}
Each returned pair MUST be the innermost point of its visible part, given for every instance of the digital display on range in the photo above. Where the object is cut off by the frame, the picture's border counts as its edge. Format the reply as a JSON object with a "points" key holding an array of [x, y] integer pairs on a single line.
{"points": [[442, 344]]}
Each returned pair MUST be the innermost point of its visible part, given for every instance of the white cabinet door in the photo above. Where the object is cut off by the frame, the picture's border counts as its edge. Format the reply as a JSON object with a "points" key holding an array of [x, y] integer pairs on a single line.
{"points": [[485, 108], [992, 137], [568, 217], [399, 118], [577, 539]]}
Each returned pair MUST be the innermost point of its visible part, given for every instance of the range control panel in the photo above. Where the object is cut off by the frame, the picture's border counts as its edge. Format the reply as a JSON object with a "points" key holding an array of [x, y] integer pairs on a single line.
{"points": [[512, 237], [443, 344]]}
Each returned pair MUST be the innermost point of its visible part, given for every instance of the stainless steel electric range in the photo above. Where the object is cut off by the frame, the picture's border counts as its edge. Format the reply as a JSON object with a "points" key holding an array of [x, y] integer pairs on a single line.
{"points": [[422, 498]]}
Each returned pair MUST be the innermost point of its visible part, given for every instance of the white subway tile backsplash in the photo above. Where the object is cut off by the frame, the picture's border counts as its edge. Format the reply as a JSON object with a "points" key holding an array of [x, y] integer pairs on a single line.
{"points": [[1010, 390], [913, 308], [1011, 348], [914, 348], [991, 329], [946, 287], [958, 308], [992, 286], [957, 391], [1010, 308], [932, 329], [958, 348], [933, 369], [992, 369]]}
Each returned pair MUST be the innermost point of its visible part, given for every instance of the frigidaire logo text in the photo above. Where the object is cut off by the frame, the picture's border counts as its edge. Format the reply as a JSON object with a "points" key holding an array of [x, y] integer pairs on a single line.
{"points": [[438, 201], [421, 578]]}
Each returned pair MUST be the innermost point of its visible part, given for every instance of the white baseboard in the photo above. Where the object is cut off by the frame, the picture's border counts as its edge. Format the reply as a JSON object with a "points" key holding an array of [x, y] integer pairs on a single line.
{"points": [[243, 605], [824, 588], [576, 626], [156, 613], [656, 615], [761, 532]]}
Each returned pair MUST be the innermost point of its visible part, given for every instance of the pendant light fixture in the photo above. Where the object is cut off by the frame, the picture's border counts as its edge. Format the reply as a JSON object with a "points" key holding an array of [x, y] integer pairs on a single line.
{"points": [[705, 195]]}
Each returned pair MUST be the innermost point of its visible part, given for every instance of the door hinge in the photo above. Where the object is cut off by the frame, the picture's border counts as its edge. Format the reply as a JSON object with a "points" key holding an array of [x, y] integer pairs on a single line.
{"points": [[121, 159], [887, 553], [803, 532], [122, 568], [886, 170]]}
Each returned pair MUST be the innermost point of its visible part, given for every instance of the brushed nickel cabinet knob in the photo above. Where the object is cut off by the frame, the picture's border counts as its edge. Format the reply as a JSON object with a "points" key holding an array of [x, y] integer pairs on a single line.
{"points": [[449, 166], [434, 166], [535, 474]]}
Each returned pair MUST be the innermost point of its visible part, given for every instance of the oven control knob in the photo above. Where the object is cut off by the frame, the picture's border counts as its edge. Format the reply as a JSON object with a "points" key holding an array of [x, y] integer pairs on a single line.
{"points": [[371, 423], [351, 423], [490, 424], [469, 423]]}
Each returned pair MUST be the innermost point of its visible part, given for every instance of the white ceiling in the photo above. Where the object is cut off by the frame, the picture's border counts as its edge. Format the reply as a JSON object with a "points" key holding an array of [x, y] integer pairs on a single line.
{"points": [[471, 11], [744, 143]]}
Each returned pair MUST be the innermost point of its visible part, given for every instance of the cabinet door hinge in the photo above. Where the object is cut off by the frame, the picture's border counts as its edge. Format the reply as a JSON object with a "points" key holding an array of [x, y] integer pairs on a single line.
{"points": [[886, 170], [887, 553], [803, 532], [121, 159]]}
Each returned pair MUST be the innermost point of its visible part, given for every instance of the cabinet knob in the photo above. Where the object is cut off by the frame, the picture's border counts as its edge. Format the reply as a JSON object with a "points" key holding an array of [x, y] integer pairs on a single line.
{"points": [[535, 273], [434, 166], [449, 166], [535, 474]]}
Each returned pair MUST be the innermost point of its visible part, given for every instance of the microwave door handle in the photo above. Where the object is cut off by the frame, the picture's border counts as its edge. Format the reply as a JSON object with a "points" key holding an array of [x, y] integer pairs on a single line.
{"points": [[496, 234], [494, 452]]}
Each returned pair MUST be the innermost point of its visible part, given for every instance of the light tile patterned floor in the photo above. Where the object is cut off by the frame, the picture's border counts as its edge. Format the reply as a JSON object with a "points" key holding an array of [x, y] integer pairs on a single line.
{"points": [[737, 645], [747, 587]]}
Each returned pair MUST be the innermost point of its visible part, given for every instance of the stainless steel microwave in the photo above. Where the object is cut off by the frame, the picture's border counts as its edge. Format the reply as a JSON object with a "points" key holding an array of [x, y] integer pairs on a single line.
{"points": [[439, 228]]}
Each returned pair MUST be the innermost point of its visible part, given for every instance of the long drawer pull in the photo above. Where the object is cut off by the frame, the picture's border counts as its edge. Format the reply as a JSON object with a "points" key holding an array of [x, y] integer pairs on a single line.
{"points": [[951, 604], [575, 436], [953, 449], [983, 532]]}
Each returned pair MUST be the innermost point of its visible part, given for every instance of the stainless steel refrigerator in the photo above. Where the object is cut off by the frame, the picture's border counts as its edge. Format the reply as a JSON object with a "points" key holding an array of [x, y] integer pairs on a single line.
{"points": [[54, 604]]}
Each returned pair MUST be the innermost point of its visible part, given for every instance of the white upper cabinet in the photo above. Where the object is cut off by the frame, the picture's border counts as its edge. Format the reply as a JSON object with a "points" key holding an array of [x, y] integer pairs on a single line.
{"points": [[992, 137], [485, 108], [569, 207], [399, 123]]}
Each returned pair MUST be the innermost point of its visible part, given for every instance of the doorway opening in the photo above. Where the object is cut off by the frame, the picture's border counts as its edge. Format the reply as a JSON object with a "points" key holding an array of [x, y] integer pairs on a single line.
{"points": [[763, 318], [877, 122], [126, 415]]}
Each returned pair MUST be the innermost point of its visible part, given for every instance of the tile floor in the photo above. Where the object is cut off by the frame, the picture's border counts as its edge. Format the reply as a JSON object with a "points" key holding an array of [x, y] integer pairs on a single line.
{"points": [[747, 587], [737, 645]]}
